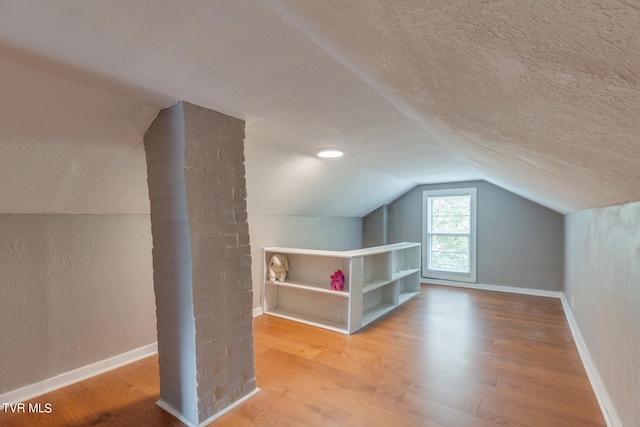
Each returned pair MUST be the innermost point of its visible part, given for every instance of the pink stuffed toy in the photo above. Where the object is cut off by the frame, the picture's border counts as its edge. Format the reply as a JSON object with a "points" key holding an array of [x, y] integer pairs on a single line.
{"points": [[337, 281]]}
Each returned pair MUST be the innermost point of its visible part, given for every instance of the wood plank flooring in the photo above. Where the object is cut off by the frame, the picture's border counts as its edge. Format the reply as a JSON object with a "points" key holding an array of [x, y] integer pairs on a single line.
{"points": [[450, 357]]}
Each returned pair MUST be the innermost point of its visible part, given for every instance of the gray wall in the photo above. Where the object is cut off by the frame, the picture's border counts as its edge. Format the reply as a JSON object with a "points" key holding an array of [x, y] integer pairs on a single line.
{"points": [[312, 232], [75, 236], [375, 228], [520, 243], [75, 289], [603, 281]]}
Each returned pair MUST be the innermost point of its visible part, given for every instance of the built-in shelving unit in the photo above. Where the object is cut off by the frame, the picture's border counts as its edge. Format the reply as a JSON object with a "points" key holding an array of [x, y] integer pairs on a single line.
{"points": [[377, 280]]}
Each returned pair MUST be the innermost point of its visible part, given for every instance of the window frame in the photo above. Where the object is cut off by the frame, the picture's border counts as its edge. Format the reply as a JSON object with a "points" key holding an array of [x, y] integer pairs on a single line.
{"points": [[472, 192]]}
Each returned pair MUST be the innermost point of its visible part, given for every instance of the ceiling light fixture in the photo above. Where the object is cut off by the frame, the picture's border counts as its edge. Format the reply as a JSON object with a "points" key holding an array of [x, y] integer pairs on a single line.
{"points": [[329, 153]]}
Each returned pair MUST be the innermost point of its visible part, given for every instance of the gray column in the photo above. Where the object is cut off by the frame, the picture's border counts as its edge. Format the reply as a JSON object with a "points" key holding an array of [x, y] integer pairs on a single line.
{"points": [[201, 261]]}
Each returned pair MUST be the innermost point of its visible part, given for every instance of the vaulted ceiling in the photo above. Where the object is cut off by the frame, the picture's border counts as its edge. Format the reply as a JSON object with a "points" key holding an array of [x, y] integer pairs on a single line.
{"points": [[540, 97]]}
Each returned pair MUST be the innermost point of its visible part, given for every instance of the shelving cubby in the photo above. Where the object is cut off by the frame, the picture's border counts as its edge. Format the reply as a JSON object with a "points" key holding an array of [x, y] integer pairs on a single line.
{"points": [[377, 280]]}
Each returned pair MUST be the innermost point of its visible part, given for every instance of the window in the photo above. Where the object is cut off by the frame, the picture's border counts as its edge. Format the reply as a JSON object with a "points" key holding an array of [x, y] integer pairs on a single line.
{"points": [[449, 234]]}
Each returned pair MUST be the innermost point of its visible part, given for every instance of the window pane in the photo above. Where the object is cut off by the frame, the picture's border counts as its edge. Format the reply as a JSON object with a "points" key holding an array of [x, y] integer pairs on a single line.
{"points": [[452, 205], [450, 224], [450, 253], [450, 214], [449, 234]]}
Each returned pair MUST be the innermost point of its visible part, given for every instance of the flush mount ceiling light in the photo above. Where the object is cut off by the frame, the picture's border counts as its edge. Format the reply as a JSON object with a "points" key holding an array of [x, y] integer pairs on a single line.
{"points": [[328, 153]]}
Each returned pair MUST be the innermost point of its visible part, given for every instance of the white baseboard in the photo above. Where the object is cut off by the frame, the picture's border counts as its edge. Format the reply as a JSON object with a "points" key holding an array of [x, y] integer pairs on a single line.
{"points": [[497, 288], [71, 377], [68, 378], [608, 411], [173, 411], [177, 414]]}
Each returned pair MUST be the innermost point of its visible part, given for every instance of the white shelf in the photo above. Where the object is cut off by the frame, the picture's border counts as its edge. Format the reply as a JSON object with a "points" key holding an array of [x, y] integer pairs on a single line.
{"points": [[309, 287], [368, 287], [377, 279], [343, 254], [375, 312], [404, 273], [309, 320], [406, 296]]}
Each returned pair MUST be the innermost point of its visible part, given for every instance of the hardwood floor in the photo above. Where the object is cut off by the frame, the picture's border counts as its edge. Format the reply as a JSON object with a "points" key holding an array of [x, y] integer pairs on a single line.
{"points": [[449, 357]]}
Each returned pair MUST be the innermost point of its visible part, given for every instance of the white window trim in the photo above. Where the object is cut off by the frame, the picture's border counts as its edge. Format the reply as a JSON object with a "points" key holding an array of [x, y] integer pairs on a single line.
{"points": [[452, 192]]}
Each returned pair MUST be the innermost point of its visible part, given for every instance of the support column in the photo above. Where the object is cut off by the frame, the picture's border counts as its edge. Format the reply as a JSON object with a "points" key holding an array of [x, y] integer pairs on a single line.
{"points": [[201, 261]]}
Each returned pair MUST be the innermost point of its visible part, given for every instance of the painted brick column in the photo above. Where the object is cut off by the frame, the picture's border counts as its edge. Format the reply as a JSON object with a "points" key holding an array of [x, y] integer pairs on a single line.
{"points": [[201, 261]]}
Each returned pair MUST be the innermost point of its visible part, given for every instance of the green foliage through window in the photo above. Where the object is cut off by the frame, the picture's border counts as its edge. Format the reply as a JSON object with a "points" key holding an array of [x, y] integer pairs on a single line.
{"points": [[449, 233]]}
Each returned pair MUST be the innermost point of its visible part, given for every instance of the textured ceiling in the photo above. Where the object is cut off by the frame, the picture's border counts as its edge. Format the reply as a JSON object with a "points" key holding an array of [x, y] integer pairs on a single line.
{"points": [[539, 97]]}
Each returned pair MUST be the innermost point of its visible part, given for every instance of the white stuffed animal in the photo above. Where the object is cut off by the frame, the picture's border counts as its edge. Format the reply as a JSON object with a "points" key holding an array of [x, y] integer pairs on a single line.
{"points": [[278, 267]]}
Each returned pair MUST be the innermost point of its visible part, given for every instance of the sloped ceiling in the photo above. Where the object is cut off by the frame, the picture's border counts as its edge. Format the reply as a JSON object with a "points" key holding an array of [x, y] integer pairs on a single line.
{"points": [[541, 98]]}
